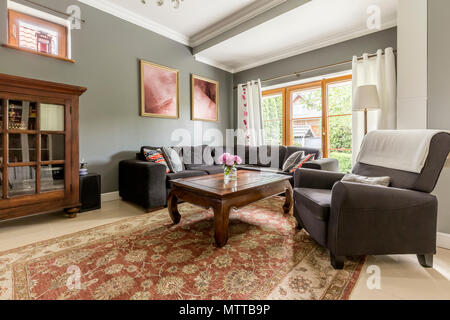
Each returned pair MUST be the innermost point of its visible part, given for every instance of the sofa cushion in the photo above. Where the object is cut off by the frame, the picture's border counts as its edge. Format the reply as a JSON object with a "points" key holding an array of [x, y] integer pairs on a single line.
{"points": [[174, 161], [209, 169], [156, 156], [317, 201], [184, 174], [303, 160], [290, 150], [293, 161], [197, 156]]}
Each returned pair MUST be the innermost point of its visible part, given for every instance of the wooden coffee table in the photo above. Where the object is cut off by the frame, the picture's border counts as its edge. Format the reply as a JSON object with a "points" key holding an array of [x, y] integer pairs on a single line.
{"points": [[212, 192]]}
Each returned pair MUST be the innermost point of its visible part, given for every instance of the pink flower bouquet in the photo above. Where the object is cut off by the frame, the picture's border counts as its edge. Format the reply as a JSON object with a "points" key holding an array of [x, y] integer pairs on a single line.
{"points": [[229, 162]]}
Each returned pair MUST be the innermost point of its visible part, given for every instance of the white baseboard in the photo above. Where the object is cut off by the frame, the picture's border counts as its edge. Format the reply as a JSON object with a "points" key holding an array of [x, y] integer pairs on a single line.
{"points": [[443, 240], [110, 196]]}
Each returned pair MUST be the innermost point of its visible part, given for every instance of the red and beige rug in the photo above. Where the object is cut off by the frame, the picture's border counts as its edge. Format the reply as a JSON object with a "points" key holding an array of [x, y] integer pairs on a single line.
{"points": [[147, 257]]}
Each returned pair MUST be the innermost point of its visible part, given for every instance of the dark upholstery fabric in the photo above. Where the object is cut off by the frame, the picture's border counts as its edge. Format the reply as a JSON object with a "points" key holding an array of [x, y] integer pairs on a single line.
{"points": [[323, 164], [378, 220], [143, 183], [183, 174], [317, 201], [375, 220], [315, 179], [209, 169], [147, 184], [198, 155]]}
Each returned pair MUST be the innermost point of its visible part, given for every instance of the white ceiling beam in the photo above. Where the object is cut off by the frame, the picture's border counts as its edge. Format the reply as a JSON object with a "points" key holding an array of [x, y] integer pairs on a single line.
{"points": [[249, 23]]}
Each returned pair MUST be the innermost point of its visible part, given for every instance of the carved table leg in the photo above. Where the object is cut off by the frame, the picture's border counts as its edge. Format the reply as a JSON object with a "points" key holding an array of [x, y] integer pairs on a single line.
{"points": [[72, 213], [221, 217], [289, 199], [172, 205]]}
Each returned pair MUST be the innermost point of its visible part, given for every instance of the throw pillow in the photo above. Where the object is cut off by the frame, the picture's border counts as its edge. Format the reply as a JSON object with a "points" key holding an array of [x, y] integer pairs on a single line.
{"points": [[173, 159], [156, 156], [304, 160], [293, 160], [378, 181]]}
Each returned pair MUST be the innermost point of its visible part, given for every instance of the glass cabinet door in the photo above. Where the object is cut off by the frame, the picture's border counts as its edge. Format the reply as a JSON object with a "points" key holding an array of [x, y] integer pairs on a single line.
{"points": [[33, 159]]}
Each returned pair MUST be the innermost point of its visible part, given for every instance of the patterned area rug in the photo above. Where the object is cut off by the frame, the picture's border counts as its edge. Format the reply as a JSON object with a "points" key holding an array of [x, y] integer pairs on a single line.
{"points": [[147, 257]]}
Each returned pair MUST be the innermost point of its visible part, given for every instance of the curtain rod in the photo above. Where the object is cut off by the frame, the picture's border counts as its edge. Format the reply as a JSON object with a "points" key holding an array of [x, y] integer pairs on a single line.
{"points": [[54, 10], [299, 73]]}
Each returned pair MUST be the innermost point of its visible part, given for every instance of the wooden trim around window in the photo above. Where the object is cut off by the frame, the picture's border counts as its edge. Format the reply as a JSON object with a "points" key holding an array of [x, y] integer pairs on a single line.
{"points": [[287, 109], [13, 41]]}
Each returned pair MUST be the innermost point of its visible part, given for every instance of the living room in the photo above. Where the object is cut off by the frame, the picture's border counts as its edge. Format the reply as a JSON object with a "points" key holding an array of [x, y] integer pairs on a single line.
{"points": [[210, 150]]}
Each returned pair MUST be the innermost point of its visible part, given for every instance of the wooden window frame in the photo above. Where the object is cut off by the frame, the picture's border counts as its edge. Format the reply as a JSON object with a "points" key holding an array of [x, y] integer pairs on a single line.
{"points": [[287, 108], [63, 35]]}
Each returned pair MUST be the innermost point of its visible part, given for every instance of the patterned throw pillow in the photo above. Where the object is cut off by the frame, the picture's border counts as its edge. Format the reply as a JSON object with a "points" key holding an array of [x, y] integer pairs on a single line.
{"points": [[304, 160], [173, 160], [156, 156], [292, 161]]}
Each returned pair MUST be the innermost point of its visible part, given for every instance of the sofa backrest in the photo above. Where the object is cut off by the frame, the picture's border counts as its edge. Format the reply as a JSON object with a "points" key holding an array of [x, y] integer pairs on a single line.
{"points": [[426, 180], [266, 156]]}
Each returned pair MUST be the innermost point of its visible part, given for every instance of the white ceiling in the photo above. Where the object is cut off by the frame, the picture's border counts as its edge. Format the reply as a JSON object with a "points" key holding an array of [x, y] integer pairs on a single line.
{"points": [[313, 25], [192, 17]]}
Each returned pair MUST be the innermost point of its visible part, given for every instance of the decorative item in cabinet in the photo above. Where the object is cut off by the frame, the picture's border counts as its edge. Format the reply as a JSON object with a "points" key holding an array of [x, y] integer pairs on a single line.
{"points": [[39, 171], [22, 115]]}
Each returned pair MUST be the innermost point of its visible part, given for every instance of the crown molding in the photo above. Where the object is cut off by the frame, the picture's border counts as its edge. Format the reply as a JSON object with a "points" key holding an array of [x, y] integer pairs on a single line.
{"points": [[337, 38], [234, 20], [136, 19], [213, 63]]}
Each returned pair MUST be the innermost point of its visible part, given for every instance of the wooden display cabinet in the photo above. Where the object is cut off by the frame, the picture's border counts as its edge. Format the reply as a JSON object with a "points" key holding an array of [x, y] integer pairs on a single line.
{"points": [[39, 147]]}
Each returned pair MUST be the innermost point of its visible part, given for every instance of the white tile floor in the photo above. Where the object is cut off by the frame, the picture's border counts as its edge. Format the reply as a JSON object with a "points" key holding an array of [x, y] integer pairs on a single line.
{"points": [[401, 276]]}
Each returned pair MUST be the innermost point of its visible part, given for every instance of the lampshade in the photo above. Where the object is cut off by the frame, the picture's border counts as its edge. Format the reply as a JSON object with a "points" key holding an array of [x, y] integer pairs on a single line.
{"points": [[366, 97]]}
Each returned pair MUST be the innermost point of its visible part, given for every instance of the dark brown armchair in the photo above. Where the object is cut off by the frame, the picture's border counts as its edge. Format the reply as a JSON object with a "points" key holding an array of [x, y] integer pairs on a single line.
{"points": [[353, 219]]}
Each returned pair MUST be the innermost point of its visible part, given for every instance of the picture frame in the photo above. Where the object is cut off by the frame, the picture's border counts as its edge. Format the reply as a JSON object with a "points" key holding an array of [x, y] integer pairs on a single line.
{"points": [[160, 91], [204, 99]]}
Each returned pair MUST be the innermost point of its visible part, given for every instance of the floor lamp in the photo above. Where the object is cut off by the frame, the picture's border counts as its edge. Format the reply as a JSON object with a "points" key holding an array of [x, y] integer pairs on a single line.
{"points": [[366, 99]]}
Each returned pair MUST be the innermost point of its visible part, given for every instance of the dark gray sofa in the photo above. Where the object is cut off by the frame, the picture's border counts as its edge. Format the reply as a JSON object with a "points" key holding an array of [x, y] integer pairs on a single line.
{"points": [[352, 219], [147, 184]]}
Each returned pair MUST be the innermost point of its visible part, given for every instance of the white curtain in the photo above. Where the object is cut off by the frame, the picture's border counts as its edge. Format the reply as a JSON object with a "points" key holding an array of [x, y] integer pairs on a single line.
{"points": [[379, 70], [250, 117]]}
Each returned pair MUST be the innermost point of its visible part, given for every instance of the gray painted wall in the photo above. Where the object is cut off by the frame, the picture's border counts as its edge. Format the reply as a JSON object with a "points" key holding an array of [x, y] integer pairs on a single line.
{"points": [[318, 58], [439, 93], [107, 52]]}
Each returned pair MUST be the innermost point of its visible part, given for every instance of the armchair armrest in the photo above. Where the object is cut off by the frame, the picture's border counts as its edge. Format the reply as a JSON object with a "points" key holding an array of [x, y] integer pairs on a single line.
{"points": [[366, 219], [316, 179], [327, 164], [143, 183]]}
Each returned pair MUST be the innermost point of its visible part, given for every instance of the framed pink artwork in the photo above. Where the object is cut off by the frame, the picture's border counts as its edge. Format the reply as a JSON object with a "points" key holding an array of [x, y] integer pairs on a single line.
{"points": [[159, 91], [205, 99]]}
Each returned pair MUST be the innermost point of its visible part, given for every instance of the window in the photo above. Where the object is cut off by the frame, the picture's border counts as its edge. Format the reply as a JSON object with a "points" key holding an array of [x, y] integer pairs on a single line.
{"points": [[29, 33], [316, 115], [273, 116]]}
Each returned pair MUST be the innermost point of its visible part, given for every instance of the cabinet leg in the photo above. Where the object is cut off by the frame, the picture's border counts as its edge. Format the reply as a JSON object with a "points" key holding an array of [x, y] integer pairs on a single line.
{"points": [[72, 212]]}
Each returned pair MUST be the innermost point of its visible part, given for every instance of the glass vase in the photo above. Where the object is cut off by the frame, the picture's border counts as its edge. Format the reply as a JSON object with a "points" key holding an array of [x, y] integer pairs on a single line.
{"points": [[230, 174]]}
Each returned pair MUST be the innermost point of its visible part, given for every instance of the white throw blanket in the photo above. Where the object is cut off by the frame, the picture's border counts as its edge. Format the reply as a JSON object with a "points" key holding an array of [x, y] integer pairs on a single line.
{"points": [[405, 150]]}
